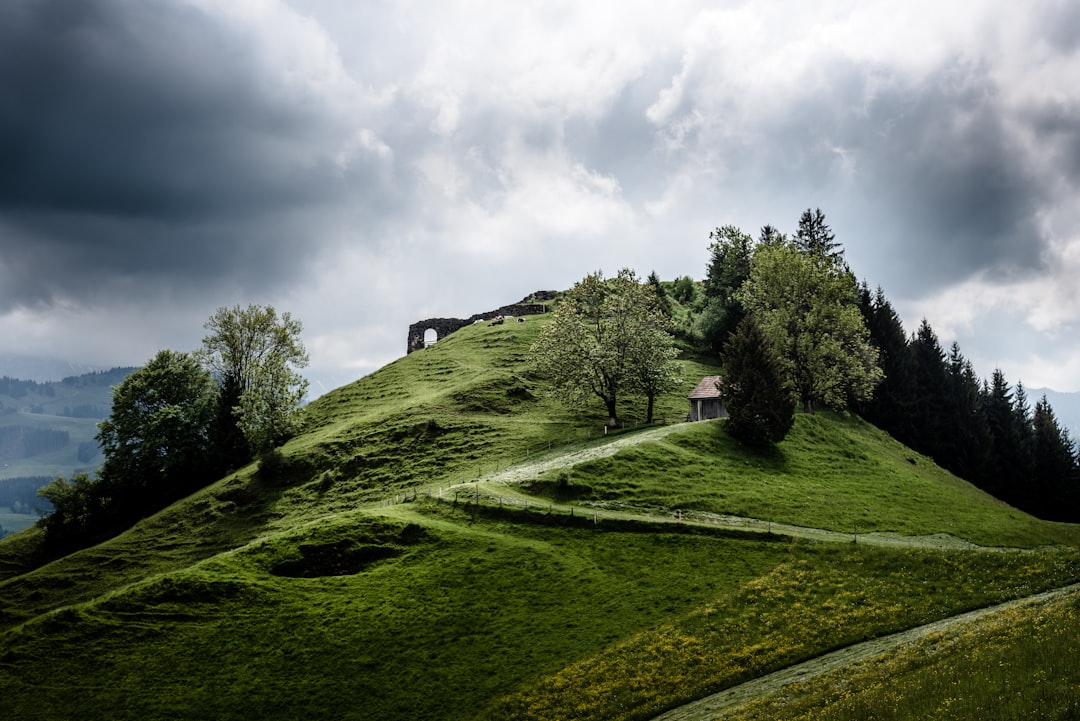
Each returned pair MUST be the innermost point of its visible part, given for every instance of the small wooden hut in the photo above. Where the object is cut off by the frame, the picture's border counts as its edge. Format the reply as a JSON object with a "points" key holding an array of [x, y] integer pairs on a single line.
{"points": [[705, 402]]}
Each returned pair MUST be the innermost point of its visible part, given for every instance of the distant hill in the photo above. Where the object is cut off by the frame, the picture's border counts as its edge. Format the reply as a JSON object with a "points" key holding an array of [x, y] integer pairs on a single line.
{"points": [[47, 429], [41, 368]]}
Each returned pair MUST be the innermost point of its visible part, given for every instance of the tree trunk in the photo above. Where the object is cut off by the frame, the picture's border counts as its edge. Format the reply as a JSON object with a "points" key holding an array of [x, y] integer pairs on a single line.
{"points": [[649, 411], [613, 419]]}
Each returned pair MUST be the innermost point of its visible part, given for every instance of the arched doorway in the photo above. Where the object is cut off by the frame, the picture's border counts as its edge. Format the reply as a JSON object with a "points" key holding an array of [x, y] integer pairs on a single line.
{"points": [[430, 336]]}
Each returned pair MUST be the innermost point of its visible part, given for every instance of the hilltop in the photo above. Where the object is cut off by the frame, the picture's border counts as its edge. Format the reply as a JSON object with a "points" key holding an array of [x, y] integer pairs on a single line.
{"points": [[443, 540]]}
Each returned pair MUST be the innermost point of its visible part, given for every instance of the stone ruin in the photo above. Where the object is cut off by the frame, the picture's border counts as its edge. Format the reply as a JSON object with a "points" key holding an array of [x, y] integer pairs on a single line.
{"points": [[530, 305]]}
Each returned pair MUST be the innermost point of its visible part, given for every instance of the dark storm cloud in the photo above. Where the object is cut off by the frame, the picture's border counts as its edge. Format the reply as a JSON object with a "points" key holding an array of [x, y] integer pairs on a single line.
{"points": [[149, 137], [105, 259], [929, 172], [966, 190]]}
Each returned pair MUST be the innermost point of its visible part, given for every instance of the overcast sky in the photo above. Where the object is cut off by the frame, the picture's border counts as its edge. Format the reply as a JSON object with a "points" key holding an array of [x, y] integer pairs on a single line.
{"points": [[365, 165]]}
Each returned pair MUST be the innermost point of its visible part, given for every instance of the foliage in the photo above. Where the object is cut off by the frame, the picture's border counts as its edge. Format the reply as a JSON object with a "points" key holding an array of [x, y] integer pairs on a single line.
{"points": [[816, 239], [729, 267], [663, 301], [253, 354], [156, 444], [759, 403], [75, 505], [807, 306], [608, 338], [684, 290], [159, 432]]}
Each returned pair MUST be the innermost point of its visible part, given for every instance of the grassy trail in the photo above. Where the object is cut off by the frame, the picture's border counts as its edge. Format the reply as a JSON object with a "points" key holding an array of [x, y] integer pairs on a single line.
{"points": [[711, 707], [505, 487]]}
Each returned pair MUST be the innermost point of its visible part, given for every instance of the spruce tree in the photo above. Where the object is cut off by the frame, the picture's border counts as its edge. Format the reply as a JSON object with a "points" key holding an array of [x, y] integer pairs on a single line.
{"points": [[1054, 492], [890, 407], [967, 433], [760, 404], [930, 387], [815, 238], [1002, 478]]}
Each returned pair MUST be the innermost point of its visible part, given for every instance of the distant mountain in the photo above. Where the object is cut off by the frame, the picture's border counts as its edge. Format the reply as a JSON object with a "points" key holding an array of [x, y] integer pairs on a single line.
{"points": [[40, 368]]}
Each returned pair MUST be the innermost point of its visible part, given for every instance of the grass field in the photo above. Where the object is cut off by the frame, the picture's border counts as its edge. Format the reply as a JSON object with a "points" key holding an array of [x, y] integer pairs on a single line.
{"points": [[310, 589]]}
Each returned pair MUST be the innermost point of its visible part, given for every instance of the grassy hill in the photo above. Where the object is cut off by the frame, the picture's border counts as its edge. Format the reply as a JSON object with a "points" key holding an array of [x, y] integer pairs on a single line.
{"points": [[444, 541]]}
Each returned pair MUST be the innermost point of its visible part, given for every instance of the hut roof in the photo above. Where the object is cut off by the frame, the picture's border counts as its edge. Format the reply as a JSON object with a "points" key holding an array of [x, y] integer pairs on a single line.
{"points": [[706, 389]]}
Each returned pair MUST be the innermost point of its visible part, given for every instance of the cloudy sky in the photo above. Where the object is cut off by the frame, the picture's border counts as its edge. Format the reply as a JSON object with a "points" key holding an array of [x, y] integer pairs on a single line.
{"points": [[365, 165]]}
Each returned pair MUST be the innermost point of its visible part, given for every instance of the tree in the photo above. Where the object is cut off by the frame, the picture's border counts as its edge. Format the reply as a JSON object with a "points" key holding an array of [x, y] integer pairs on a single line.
{"points": [[253, 354], [1004, 472], [760, 405], [684, 290], [892, 401], [807, 307], [769, 235], [661, 294], [729, 266], [815, 238], [76, 505], [929, 385], [1054, 466], [157, 437], [653, 370], [967, 432], [606, 339]]}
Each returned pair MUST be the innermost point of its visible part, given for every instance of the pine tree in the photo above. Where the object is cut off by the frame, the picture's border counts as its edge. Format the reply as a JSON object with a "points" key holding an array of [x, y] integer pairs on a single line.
{"points": [[967, 433], [760, 404], [815, 238], [1002, 478], [890, 407], [930, 386], [1054, 468]]}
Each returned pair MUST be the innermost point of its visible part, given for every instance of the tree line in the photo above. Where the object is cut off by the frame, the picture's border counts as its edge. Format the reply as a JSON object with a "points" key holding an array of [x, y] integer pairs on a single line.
{"points": [[985, 431], [27, 441], [838, 344], [792, 327], [184, 419]]}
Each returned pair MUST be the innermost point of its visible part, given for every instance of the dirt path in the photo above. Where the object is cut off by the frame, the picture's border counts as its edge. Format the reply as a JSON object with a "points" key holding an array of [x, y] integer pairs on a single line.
{"points": [[504, 487], [711, 707]]}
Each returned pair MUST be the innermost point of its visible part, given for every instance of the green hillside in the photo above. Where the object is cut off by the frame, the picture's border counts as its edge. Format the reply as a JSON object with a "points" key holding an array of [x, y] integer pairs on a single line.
{"points": [[445, 541]]}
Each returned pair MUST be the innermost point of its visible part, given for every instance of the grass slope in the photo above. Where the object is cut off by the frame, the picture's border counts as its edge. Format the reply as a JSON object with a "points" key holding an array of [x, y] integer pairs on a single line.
{"points": [[305, 590]]}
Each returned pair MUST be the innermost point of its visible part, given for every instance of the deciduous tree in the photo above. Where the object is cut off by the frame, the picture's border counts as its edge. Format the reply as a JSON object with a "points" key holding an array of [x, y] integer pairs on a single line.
{"points": [[254, 355], [157, 436], [729, 267], [807, 306], [607, 339]]}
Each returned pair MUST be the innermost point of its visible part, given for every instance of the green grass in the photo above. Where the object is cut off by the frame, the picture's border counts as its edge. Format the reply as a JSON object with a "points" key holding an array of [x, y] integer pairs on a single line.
{"points": [[309, 593], [821, 598], [460, 613], [834, 472], [1015, 664]]}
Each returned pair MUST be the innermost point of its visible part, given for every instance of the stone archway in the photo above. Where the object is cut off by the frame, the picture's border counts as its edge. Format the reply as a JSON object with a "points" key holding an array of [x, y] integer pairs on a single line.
{"points": [[431, 336], [442, 327]]}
